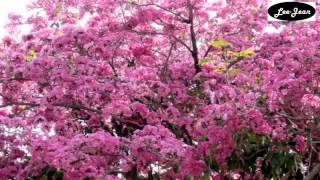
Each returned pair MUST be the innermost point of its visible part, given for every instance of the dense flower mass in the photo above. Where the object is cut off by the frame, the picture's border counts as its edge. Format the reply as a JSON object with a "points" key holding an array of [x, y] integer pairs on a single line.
{"points": [[158, 89]]}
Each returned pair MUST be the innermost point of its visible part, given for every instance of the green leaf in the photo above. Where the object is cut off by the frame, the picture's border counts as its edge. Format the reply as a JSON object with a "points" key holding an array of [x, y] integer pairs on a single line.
{"points": [[204, 61], [203, 138], [242, 54], [212, 164], [31, 54], [220, 69], [281, 162], [233, 162], [220, 43], [51, 173], [246, 53]]}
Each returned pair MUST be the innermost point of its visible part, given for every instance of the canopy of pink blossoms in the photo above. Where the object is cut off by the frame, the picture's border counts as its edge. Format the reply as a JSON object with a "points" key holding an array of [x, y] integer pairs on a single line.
{"points": [[158, 89]]}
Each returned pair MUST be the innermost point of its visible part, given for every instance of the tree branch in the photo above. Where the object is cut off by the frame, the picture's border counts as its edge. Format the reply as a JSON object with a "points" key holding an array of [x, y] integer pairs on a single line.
{"points": [[164, 69], [207, 52], [72, 106], [162, 34], [193, 38], [315, 171], [293, 118]]}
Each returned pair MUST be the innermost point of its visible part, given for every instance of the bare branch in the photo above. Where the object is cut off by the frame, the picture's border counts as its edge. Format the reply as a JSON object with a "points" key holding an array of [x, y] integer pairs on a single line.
{"points": [[207, 52], [293, 118], [193, 38], [165, 66], [72, 106], [162, 34]]}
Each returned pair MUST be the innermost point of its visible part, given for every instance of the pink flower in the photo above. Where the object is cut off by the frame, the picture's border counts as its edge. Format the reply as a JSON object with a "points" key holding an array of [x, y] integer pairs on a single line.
{"points": [[311, 100], [192, 167], [139, 51], [146, 60], [301, 145], [258, 124], [141, 108]]}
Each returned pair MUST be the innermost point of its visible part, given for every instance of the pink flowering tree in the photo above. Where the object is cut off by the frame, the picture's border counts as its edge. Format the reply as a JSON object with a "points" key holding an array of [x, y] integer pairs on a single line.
{"points": [[150, 89]]}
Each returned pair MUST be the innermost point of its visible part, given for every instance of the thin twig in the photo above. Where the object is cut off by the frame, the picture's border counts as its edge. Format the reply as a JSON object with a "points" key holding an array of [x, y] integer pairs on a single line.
{"points": [[72, 106], [180, 18], [162, 34]]}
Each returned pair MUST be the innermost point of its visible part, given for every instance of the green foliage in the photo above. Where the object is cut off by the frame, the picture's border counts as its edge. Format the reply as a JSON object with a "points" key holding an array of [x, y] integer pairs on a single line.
{"points": [[275, 164], [220, 43], [262, 101], [241, 54], [278, 163], [49, 173], [31, 54], [204, 61], [250, 146], [246, 53], [26, 158], [197, 91], [211, 164]]}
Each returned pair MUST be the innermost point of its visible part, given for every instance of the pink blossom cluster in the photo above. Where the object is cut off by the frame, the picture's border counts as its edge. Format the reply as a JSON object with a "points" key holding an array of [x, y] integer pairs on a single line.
{"points": [[311, 100]]}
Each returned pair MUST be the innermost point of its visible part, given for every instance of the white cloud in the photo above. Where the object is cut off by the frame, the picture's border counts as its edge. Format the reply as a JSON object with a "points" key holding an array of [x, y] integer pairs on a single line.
{"points": [[16, 6]]}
